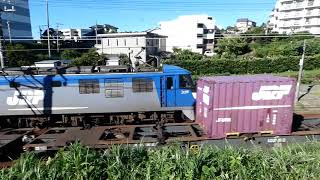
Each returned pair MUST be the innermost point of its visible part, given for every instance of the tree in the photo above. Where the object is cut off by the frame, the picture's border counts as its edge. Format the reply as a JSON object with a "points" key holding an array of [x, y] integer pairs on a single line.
{"points": [[70, 54], [91, 58], [232, 46], [18, 55]]}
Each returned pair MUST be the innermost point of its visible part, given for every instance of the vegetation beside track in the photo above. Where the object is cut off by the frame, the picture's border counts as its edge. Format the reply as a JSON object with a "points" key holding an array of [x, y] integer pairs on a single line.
{"points": [[309, 76], [78, 162]]}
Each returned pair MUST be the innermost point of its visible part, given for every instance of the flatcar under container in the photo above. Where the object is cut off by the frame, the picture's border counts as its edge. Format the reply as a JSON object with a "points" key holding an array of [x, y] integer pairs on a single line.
{"points": [[234, 105]]}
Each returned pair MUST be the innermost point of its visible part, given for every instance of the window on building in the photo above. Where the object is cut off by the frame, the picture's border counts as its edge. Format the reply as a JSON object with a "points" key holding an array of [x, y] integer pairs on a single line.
{"points": [[185, 82], [142, 85], [199, 35], [137, 41], [208, 41], [108, 42], [308, 21], [89, 86], [210, 18], [117, 42], [200, 25], [310, 2], [125, 42], [199, 46], [114, 88], [309, 12]]}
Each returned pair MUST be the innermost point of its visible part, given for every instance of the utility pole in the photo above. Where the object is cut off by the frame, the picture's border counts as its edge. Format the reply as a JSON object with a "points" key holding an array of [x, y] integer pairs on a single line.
{"points": [[96, 30], [1, 47], [48, 28], [300, 71], [58, 36], [9, 31], [12, 10]]}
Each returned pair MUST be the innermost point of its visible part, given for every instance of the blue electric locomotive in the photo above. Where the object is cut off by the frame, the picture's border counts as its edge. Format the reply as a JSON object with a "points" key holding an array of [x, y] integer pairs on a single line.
{"points": [[112, 98]]}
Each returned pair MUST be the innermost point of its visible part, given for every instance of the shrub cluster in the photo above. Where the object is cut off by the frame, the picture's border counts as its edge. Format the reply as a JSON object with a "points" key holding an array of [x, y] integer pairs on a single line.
{"points": [[246, 65]]}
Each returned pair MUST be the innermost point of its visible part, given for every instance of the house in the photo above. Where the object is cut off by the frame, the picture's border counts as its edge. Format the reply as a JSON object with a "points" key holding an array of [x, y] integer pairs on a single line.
{"points": [[244, 24], [193, 32], [104, 28], [74, 34], [140, 47]]}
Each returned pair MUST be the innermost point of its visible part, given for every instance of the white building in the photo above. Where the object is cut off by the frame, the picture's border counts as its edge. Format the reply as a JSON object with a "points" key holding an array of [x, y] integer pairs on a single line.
{"points": [[192, 32], [138, 46], [292, 16], [244, 24], [74, 34], [16, 21]]}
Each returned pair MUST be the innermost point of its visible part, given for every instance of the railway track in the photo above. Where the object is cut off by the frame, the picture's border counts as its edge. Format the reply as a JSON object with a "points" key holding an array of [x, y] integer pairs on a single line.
{"points": [[13, 142]]}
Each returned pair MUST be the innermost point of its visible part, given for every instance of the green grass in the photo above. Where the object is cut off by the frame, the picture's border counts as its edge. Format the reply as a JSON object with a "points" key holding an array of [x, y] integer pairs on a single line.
{"points": [[309, 76], [78, 162]]}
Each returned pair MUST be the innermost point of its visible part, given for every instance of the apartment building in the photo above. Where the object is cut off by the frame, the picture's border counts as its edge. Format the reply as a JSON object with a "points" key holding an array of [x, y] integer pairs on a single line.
{"points": [[74, 34], [138, 46], [292, 16], [192, 32], [16, 21], [244, 24]]}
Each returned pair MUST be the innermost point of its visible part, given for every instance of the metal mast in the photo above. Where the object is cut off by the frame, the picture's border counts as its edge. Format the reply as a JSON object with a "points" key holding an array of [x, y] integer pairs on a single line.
{"points": [[48, 28], [58, 24], [301, 70]]}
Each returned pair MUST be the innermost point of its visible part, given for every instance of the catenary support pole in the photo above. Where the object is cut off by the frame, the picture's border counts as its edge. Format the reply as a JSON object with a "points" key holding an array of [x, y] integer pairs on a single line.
{"points": [[48, 28], [300, 71]]}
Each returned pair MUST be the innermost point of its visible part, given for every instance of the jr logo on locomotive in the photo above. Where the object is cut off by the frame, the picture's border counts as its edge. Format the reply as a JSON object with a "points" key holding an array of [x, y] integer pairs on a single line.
{"points": [[271, 92], [26, 97]]}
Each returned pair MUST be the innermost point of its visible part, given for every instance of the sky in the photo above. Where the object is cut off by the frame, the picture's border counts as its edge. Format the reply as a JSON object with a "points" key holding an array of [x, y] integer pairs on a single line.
{"points": [[140, 15]]}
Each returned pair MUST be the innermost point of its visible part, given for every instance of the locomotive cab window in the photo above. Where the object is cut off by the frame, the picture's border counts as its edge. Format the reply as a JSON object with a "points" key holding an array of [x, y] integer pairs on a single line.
{"points": [[114, 88], [170, 85], [142, 85], [185, 82], [14, 84], [89, 86]]}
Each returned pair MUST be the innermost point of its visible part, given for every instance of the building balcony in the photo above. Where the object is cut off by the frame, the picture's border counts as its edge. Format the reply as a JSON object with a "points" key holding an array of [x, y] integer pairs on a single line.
{"points": [[312, 5], [295, 16], [313, 14], [293, 6], [312, 23], [289, 25], [209, 36]]}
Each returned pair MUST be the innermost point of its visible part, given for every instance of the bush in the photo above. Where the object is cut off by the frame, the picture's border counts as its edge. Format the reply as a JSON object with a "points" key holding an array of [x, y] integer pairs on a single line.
{"points": [[246, 65], [90, 58], [70, 54]]}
